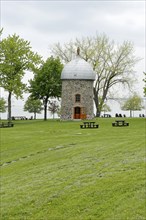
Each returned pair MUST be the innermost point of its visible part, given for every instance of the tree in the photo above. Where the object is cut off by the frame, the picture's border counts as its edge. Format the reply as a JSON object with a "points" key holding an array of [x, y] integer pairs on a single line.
{"points": [[33, 106], [47, 83], [15, 57], [112, 63], [145, 84], [53, 107], [134, 103], [3, 106], [1, 31], [105, 108]]}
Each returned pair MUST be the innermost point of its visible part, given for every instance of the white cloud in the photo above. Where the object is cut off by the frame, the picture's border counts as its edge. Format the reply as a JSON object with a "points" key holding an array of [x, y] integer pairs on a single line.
{"points": [[59, 19], [46, 22]]}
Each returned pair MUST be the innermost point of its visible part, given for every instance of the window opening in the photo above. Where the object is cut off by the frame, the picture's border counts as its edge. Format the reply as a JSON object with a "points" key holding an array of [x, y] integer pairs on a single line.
{"points": [[77, 98]]}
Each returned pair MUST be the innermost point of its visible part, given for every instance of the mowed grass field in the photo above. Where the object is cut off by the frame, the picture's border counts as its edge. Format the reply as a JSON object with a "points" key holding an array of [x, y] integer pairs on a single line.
{"points": [[53, 170]]}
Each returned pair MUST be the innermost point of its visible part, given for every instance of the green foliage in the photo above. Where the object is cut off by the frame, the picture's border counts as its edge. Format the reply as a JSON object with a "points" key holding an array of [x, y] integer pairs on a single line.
{"points": [[134, 103], [106, 108], [53, 107], [2, 105], [103, 106], [47, 83], [33, 106], [145, 84], [15, 57], [82, 174]]}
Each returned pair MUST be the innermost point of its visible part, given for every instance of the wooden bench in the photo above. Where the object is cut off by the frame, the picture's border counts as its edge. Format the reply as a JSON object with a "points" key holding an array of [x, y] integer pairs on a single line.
{"points": [[90, 124], [6, 124], [120, 123]]}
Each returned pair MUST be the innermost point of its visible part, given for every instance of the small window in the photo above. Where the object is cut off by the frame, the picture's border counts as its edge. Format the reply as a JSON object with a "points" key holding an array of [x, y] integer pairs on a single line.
{"points": [[77, 98]]}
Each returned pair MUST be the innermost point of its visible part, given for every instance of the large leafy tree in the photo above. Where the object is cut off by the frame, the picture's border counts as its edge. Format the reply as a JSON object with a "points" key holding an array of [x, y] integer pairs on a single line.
{"points": [[47, 83], [16, 56], [3, 105], [33, 106], [133, 103], [112, 63]]}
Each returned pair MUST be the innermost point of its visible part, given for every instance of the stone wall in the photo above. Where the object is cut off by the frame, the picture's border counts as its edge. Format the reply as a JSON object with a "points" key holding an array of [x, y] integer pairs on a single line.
{"points": [[69, 89]]}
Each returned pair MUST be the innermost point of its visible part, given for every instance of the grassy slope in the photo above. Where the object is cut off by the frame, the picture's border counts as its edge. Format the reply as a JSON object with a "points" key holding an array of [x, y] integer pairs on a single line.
{"points": [[57, 171]]}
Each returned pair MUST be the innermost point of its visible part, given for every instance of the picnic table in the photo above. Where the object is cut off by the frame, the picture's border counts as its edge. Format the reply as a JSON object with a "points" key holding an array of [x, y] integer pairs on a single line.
{"points": [[89, 124], [6, 124], [19, 118], [120, 123]]}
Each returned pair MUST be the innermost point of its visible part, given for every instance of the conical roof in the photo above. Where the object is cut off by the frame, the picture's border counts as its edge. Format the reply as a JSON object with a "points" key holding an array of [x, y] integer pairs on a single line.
{"points": [[78, 69]]}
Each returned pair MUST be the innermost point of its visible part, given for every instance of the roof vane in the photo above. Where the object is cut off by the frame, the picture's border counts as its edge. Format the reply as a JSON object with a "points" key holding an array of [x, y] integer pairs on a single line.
{"points": [[78, 51]]}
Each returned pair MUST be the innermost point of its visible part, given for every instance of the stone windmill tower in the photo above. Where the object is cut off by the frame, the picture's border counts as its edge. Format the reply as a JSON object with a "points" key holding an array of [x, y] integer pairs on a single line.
{"points": [[77, 89]]}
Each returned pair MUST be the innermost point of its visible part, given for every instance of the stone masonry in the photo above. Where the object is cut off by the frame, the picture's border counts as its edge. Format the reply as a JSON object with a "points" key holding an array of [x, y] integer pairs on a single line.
{"points": [[69, 89]]}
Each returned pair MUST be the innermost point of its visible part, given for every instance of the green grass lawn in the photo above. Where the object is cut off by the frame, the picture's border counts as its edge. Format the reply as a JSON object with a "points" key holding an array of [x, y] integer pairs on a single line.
{"points": [[54, 170]]}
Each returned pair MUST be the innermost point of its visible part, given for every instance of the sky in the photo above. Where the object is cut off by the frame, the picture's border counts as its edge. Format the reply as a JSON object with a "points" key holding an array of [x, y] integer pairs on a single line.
{"points": [[44, 23]]}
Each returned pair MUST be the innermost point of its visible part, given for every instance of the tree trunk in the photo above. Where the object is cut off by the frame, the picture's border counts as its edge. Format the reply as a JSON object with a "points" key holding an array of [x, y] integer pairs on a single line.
{"points": [[45, 108], [99, 102], [98, 112], [96, 101], [34, 115], [9, 106]]}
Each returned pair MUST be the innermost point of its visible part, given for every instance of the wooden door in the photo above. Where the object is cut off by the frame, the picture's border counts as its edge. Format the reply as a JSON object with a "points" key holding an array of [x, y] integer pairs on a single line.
{"points": [[77, 113]]}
